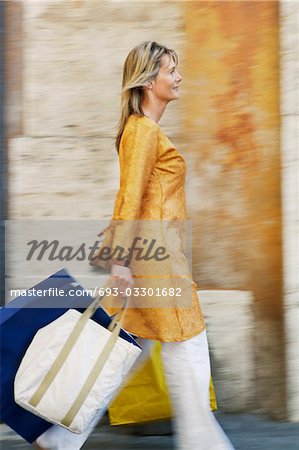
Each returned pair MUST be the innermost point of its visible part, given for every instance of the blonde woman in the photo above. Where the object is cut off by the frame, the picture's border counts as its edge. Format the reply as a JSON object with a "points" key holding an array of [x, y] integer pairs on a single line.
{"points": [[152, 188]]}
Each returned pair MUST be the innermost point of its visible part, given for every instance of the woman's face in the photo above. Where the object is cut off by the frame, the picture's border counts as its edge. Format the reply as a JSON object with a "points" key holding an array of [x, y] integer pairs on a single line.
{"points": [[165, 86]]}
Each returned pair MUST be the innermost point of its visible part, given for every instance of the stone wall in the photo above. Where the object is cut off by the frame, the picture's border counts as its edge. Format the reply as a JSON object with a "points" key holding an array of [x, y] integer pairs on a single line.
{"points": [[289, 13], [232, 139], [229, 317], [73, 57]]}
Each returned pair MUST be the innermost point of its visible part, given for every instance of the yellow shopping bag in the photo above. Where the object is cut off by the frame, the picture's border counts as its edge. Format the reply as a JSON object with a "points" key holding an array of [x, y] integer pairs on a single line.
{"points": [[145, 396]]}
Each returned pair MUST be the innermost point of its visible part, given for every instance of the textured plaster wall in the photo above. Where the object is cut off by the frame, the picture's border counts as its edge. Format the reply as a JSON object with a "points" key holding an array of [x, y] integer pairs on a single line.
{"points": [[73, 57], [231, 128], [289, 34]]}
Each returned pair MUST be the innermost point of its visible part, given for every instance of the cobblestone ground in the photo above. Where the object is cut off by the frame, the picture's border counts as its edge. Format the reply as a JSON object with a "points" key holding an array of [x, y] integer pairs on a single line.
{"points": [[246, 431]]}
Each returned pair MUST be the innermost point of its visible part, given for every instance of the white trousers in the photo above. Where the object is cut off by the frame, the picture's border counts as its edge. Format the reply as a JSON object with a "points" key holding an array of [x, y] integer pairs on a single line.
{"points": [[187, 370]]}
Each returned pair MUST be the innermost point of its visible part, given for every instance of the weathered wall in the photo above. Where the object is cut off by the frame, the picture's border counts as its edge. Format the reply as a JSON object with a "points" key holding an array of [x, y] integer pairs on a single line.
{"points": [[226, 125], [229, 317], [73, 57], [231, 127], [289, 34]]}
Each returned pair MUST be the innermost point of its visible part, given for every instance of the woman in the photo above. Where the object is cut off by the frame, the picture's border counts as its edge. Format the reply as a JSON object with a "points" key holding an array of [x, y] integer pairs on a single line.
{"points": [[152, 187]]}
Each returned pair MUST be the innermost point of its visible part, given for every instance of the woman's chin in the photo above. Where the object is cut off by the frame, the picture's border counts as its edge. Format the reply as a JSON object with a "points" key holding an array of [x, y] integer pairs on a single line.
{"points": [[176, 95]]}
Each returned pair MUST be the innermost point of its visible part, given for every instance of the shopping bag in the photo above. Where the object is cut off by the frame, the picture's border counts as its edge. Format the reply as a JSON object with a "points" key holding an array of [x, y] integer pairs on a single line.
{"points": [[20, 319], [74, 367], [145, 397]]}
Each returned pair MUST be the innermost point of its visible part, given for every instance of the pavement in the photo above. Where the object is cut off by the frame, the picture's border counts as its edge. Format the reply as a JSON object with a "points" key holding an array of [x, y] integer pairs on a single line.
{"points": [[246, 432]]}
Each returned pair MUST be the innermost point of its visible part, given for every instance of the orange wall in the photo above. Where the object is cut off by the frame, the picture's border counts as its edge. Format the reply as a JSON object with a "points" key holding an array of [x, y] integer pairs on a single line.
{"points": [[231, 125]]}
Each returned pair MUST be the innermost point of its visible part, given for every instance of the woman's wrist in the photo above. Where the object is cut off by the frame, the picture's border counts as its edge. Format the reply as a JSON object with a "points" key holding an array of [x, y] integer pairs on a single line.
{"points": [[121, 262]]}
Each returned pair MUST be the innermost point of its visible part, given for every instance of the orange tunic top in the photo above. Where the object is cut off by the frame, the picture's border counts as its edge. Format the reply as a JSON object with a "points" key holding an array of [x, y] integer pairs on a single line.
{"points": [[152, 192]]}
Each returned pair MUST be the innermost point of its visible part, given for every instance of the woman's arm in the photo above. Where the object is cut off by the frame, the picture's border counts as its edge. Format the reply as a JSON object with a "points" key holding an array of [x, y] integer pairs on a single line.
{"points": [[138, 153]]}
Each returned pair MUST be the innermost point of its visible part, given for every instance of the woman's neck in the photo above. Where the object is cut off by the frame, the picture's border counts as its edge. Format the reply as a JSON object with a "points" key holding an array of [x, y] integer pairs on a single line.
{"points": [[153, 110]]}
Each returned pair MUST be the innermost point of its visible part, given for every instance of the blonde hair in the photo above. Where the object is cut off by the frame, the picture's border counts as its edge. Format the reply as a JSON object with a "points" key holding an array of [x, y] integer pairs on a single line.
{"points": [[141, 66]]}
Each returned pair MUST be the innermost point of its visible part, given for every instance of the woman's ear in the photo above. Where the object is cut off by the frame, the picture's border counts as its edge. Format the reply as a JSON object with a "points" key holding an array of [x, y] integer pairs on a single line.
{"points": [[149, 85]]}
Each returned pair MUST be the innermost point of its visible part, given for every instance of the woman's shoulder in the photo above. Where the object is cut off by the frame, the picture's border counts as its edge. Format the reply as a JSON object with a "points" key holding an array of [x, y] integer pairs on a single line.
{"points": [[141, 121], [140, 129]]}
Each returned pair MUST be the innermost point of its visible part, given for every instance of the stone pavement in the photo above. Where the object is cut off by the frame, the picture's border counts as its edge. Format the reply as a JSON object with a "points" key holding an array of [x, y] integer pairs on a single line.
{"points": [[246, 431]]}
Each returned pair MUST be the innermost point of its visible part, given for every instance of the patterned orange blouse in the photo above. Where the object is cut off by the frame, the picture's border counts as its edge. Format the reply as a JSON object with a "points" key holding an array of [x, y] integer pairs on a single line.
{"points": [[151, 199]]}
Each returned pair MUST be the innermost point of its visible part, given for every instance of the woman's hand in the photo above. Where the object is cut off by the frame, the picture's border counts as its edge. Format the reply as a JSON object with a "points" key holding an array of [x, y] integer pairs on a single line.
{"points": [[121, 278]]}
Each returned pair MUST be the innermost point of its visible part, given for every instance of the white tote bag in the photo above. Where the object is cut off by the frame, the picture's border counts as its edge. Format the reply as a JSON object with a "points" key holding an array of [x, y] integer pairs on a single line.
{"points": [[73, 368]]}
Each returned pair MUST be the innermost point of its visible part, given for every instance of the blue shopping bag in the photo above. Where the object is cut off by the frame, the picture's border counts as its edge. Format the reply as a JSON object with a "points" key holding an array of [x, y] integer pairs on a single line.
{"points": [[19, 322]]}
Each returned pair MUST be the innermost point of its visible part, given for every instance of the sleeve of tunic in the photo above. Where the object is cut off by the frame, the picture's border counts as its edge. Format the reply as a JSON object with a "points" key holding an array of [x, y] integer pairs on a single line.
{"points": [[138, 154]]}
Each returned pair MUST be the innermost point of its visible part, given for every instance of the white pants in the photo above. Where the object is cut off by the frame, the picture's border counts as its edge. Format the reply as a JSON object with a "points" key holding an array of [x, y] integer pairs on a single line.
{"points": [[187, 370]]}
